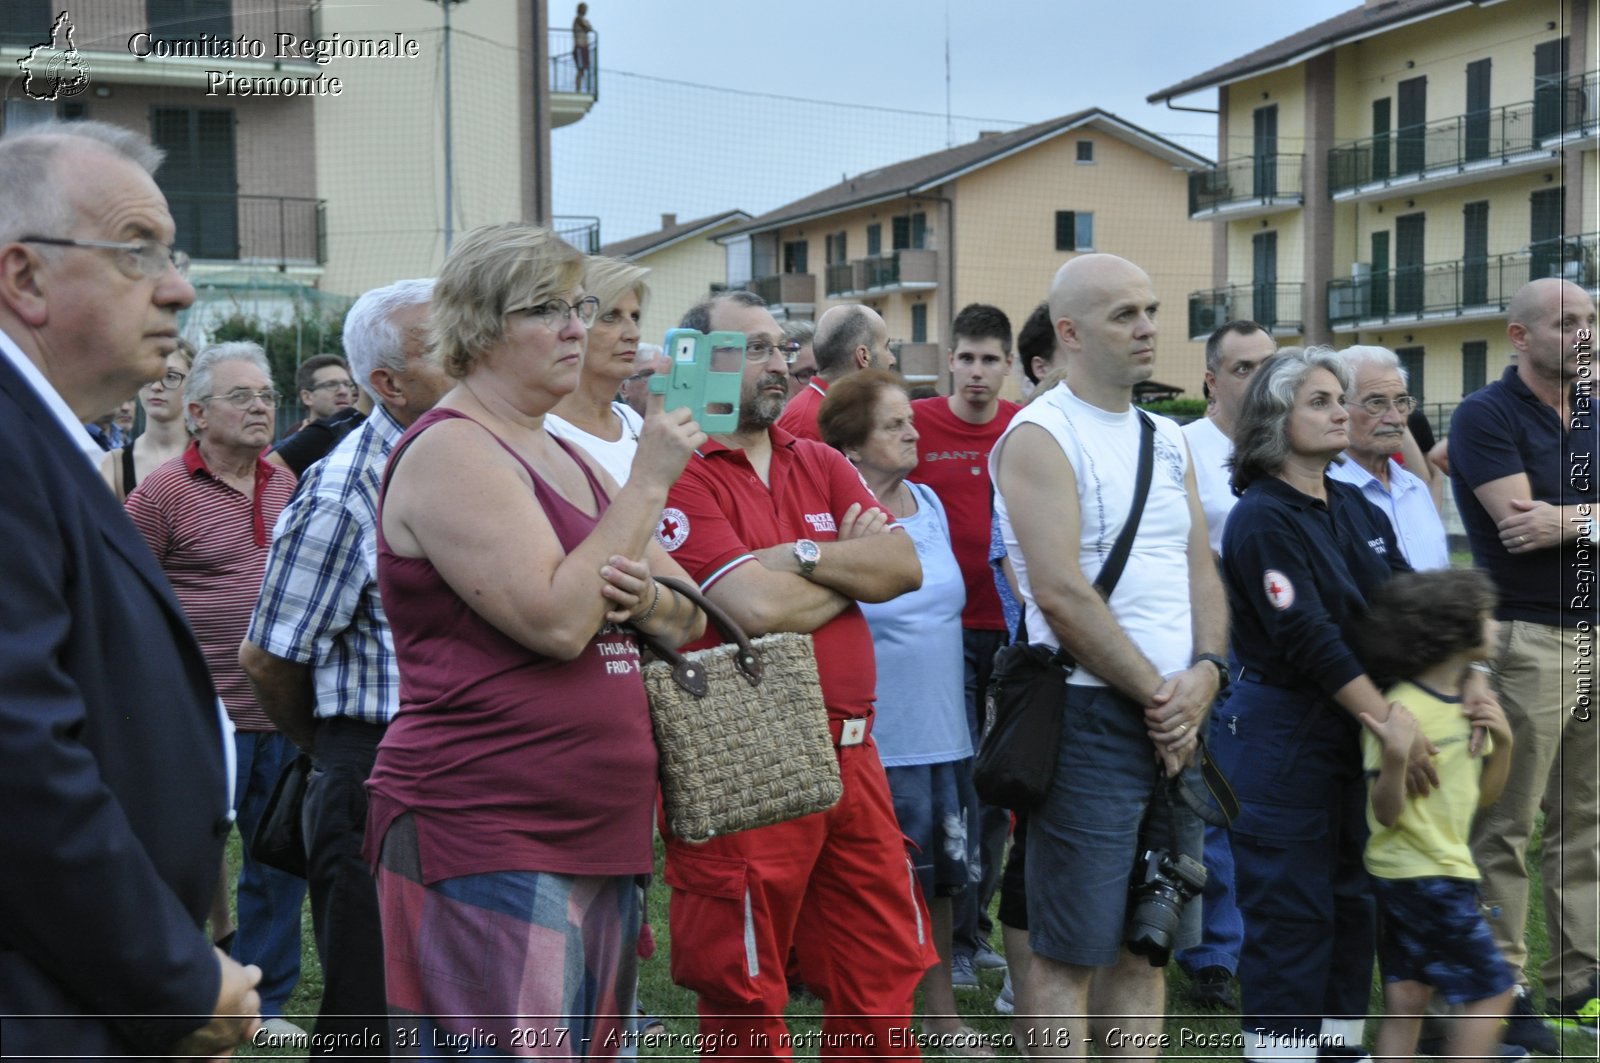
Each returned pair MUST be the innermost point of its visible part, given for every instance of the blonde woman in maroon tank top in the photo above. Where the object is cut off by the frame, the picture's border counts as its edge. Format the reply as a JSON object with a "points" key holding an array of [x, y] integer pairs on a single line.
{"points": [[512, 797]]}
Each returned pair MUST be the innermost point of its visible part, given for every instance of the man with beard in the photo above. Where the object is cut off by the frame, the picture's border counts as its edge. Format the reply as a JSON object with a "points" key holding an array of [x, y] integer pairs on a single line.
{"points": [[784, 535]]}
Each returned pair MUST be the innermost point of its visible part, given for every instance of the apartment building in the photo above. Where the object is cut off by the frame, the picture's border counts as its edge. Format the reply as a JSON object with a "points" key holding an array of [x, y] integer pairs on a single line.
{"points": [[986, 221], [1394, 174], [684, 264]]}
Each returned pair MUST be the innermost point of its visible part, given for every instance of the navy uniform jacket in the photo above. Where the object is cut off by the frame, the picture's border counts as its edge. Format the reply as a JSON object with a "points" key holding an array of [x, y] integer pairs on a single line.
{"points": [[113, 801], [1298, 574]]}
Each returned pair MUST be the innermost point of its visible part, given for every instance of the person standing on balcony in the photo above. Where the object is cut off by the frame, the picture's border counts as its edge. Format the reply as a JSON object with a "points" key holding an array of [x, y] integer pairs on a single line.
{"points": [[849, 338], [580, 48]]}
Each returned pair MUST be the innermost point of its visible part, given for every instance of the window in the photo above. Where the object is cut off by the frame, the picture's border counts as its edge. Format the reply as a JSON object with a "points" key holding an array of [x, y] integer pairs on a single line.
{"points": [[1074, 230], [1474, 366], [794, 257], [1411, 361], [909, 231], [187, 19], [836, 249], [199, 178], [874, 240], [25, 23], [919, 322], [1086, 151]]}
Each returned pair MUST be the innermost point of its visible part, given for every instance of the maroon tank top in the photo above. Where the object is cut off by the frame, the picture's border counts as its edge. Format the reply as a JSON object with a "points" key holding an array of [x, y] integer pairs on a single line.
{"points": [[507, 759]]}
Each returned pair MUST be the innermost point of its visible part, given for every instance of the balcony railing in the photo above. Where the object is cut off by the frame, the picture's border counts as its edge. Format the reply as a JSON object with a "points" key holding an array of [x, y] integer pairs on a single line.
{"points": [[1462, 287], [580, 230], [1253, 179], [782, 289], [1434, 150], [273, 230], [911, 267], [842, 278], [1275, 307], [565, 73], [1566, 105]]}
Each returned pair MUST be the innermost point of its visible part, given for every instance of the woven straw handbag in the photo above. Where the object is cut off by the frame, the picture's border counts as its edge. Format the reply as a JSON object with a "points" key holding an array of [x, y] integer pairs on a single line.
{"points": [[741, 728]]}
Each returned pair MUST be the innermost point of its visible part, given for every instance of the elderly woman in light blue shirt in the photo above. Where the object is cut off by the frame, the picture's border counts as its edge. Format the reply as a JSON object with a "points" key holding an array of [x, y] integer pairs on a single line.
{"points": [[920, 727]]}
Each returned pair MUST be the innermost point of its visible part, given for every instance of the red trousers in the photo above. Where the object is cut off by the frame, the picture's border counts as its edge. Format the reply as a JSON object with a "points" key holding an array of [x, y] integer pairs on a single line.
{"points": [[837, 886]]}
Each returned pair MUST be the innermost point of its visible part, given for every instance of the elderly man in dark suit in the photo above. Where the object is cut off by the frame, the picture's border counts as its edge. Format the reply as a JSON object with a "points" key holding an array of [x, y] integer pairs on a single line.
{"points": [[112, 758]]}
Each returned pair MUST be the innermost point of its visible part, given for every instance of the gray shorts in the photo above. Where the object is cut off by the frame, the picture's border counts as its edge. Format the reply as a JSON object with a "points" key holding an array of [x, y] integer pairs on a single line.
{"points": [[1104, 811]]}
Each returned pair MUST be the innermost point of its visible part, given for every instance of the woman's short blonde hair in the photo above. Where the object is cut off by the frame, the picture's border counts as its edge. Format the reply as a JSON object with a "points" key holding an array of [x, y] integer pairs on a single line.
{"points": [[609, 279], [492, 268]]}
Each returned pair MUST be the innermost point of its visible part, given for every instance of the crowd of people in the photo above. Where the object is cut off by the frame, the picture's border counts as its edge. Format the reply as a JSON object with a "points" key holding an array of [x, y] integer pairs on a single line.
{"points": [[434, 590]]}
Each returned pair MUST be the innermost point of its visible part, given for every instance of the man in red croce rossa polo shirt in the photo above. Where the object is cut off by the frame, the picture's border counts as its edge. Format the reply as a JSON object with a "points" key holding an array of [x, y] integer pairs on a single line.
{"points": [[850, 337], [783, 534], [957, 431]]}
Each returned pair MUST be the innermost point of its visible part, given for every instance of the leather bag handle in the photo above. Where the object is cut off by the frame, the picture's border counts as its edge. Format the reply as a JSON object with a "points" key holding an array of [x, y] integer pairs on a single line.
{"points": [[689, 675]]}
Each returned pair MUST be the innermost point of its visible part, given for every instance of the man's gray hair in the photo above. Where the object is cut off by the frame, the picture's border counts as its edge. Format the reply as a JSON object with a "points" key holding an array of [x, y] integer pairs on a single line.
{"points": [[198, 386], [33, 204], [371, 338], [1360, 355], [799, 331]]}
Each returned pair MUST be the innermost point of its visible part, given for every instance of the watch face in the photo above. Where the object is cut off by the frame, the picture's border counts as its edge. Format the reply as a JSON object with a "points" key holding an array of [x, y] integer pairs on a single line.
{"points": [[808, 551]]}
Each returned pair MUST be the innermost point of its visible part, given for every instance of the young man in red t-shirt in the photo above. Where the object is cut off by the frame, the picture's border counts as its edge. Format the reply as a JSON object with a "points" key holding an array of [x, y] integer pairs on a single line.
{"points": [[957, 432]]}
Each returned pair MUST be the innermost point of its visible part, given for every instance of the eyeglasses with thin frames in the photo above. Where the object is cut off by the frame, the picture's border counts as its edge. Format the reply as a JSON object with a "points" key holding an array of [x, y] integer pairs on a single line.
{"points": [[761, 350], [334, 385], [139, 259], [172, 380], [555, 313], [1379, 405], [241, 398]]}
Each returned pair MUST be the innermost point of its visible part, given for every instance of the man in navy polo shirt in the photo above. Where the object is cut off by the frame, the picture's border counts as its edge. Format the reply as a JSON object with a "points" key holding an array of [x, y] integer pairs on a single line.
{"points": [[1521, 454]]}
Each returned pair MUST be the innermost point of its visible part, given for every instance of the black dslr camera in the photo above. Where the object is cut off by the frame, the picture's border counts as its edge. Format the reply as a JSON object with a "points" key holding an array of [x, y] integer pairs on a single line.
{"points": [[1157, 899]]}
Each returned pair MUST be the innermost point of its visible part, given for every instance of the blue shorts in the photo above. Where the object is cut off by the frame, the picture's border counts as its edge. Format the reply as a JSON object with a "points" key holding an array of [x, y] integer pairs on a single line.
{"points": [[1105, 808], [1432, 930], [935, 804]]}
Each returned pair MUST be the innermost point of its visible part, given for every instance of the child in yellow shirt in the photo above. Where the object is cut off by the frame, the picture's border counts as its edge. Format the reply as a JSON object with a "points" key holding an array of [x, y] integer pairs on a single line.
{"points": [[1425, 629]]}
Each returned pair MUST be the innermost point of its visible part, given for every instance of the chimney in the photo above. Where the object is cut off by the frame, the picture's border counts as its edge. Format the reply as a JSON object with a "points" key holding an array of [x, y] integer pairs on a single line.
{"points": [[668, 220]]}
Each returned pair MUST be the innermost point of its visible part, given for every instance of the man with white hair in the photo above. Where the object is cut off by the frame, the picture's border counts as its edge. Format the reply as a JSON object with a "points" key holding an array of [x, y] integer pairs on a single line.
{"points": [[113, 751], [1379, 405], [321, 656], [206, 516]]}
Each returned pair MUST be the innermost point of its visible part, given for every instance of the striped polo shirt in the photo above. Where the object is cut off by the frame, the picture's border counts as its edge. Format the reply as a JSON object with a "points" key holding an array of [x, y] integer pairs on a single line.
{"points": [[212, 543]]}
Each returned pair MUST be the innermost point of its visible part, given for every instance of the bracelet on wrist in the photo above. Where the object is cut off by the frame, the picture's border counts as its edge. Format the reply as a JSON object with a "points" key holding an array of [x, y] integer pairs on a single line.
{"points": [[648, 613]]}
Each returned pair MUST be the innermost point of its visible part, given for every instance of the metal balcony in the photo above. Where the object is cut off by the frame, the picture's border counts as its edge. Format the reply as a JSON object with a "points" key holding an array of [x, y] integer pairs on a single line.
{"points": [[580, 230], [280, 231], [1248, 187], [1276, 307], [1443, 293], [1471, 147], [572, 92], [786, 289]]}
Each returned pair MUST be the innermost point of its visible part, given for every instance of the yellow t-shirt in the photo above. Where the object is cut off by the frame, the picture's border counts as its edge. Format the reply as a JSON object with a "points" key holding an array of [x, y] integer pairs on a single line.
{"points": [[1430, 837]]}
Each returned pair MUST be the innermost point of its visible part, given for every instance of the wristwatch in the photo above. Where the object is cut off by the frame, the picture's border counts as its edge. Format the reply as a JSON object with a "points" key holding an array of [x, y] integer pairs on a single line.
{"points": [[1223, 677], [808, 554]]}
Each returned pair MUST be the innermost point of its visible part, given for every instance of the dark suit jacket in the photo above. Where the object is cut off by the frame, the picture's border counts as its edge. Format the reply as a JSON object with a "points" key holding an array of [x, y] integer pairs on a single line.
{"points": [[113, 803]]}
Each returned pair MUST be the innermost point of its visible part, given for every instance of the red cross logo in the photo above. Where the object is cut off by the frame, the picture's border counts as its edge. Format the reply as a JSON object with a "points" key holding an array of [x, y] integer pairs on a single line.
{"points": [[673, 530], [1280, 592]]}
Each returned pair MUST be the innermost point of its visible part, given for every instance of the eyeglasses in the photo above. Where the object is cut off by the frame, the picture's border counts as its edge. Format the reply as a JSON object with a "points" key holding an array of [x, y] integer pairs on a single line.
{"points": [[761, 350], [334, 385], [1378, 405], [555, 313], [172, 380], [802, 376], [241, 398], [139, 258]]}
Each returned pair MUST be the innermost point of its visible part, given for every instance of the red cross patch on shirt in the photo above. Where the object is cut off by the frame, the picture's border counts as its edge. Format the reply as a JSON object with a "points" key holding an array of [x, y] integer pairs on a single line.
{"points": [[1280, 592]]}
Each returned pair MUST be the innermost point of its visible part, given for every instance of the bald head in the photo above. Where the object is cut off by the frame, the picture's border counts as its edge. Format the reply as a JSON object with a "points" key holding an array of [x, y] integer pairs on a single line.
{"points": [[1544, 296], [1084, 282], [850, 337]]}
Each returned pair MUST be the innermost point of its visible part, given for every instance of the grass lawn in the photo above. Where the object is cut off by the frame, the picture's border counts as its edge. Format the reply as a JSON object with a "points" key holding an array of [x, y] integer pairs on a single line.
{"points": [[1189, 1033]]}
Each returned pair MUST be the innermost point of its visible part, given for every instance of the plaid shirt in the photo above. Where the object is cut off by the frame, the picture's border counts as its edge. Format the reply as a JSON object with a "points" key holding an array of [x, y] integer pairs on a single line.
{"points": [[319, 602]]}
